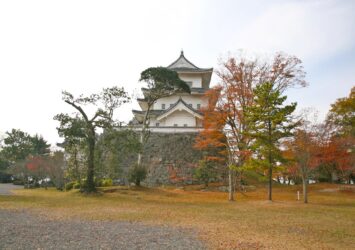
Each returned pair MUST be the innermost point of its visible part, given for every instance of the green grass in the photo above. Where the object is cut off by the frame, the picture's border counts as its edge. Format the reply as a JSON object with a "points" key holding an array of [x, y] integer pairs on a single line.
{"points": [[327, 222]]}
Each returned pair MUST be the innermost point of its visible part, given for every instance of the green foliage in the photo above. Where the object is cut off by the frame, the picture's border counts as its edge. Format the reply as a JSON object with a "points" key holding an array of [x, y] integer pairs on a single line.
{"points": [[342, 114], [56, 165], [80, 128], [18, 182], [324, 172], [76, 161], [205, 172], [163, 82], [71, 128], [270, 121], [76, 185], [17, 145], [70, 185], [113, 149], [39, 145], [5, 177], [137, 174], [106, 182], [253, 177]]}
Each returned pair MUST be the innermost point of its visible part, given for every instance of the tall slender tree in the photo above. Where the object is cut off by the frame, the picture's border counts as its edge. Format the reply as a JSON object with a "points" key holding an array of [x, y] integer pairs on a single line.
{"points": [[270, 121]]}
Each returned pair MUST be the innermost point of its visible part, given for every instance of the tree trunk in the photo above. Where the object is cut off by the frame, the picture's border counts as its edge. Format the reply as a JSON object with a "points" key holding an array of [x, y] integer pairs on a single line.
{"points": [[76, 164], [142, 135], [270, 183], [238, 181], [270, 162], [231, 185], [90, 187], [139, 160], [305, 187]]}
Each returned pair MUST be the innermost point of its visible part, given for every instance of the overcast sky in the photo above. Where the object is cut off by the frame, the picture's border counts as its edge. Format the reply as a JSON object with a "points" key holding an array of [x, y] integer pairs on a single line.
{"points": [[83, 46]]}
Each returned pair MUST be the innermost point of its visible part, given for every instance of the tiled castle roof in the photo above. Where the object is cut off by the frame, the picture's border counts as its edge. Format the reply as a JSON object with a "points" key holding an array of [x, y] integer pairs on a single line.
{"points": [[182, 64]]}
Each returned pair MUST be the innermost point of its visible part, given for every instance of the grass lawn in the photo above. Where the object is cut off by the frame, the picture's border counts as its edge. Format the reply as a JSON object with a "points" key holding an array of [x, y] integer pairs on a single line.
{"points": [[327, 222]]}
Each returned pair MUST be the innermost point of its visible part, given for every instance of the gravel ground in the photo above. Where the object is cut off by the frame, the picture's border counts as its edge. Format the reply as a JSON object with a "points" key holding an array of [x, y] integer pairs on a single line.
{"points": [[23, 230], [5, 188]]}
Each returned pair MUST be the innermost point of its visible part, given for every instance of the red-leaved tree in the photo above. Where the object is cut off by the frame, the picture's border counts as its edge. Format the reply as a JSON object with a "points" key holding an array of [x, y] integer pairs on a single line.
{"points": [[225, 123]]}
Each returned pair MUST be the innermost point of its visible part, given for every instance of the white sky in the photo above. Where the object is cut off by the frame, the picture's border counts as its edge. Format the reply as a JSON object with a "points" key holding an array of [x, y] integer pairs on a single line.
{"points": [[83, 46]]}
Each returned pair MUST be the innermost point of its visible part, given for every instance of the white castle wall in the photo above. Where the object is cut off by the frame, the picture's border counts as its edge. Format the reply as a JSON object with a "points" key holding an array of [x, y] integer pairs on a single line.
{"points": [[189, 99], [196, 80], [180, 118], [185, 121]]}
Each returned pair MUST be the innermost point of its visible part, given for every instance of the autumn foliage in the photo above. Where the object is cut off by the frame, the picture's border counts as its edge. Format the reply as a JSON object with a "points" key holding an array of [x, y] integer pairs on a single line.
{"points": [[322, 152], [212, 136], [226, 125]]}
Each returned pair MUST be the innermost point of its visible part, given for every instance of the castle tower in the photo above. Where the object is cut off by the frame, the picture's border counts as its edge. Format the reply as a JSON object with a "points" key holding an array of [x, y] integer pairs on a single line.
{"points": [[179, 113]]}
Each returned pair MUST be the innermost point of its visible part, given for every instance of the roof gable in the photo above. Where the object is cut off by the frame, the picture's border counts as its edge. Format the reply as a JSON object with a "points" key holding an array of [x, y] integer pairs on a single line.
{"points": [[180, 105], [182, 63]]}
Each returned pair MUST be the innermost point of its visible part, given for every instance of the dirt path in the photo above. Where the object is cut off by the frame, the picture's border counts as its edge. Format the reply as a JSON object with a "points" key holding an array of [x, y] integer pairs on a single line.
{"points": [[5, 188], [23, 230]]}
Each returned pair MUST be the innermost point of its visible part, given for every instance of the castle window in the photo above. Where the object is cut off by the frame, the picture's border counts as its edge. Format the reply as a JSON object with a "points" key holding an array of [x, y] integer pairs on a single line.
{"points": [[198, 106], [157, 124], [163, 106], [175, 125], [185, 125]]}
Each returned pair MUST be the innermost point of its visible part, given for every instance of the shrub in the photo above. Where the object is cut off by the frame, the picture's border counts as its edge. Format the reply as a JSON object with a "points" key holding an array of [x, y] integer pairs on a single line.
{"points": [[18, 182], [137, 173], [5, 178], [76, 185], [69, 186], [106, 182], [205, 172]]}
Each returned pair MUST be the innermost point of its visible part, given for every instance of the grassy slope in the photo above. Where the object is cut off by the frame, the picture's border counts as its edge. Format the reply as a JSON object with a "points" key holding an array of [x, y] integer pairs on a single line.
{"points": [[250, 222]]}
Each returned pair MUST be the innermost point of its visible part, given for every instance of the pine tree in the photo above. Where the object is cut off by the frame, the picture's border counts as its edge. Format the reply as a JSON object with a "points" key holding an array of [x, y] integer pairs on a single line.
{"points": [[271, 121]]}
